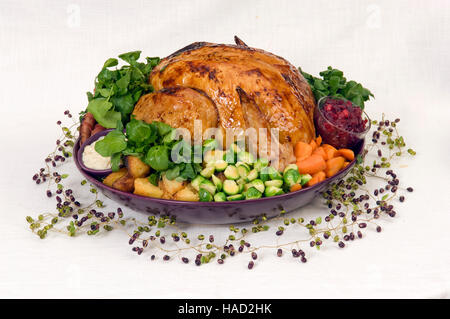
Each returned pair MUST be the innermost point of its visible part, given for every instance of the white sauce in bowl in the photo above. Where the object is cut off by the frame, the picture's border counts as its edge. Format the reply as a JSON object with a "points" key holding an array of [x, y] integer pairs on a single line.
{"points": [[93, 160]]}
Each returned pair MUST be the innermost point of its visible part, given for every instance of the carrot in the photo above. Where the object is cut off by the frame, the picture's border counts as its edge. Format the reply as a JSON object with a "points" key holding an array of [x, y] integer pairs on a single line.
{"points": [[334, 165], [313, 181], [311, 165], [97, 128], [328, 146], [302, 150], [320, 176], [321, 151], [87, 125], [319, 140], [330, 150], [313, 144], [346, 164], [347, 153], [296, 187]]}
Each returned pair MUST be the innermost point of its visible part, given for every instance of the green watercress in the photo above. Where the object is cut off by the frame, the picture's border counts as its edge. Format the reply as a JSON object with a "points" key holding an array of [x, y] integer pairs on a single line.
{"points": [[333, 83], [117, 90], [158, 157], [114, 142]]}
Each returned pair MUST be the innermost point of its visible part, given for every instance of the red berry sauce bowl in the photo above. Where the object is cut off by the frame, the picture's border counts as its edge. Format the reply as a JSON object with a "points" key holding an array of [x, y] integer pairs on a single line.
{"points": [[340, 123]]}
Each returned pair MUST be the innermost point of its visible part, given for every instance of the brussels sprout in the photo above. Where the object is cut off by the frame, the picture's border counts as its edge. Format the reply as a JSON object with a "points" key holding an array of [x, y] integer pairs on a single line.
{"points": [[220, 165], [292, 177], [230, 156], [245, 157], [275, 175], [210, 144], [197, 181], [273, 191], [231, 172], [212, 156], [252, 193], [243, 171], [241, 185], [252, 175], [204, 195], [259, 185], [211, 164], [264, 174], [274, 182], [208, 157], [235, 197], [230, 187], [220, 197], [261, 163], [247, 186], [268, 173], [217, 182], [207, 172], [290, 166], [305, 179], [209, 186], [239, 163]]}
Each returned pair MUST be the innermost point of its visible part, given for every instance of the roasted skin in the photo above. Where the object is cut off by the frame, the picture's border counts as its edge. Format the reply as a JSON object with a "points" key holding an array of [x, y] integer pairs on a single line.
{"points": [[178, 107], [275, 93]]}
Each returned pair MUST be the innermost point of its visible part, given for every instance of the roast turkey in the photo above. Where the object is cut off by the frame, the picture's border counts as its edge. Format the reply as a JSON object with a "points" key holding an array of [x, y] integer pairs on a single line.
{"points": [[235, 87]]}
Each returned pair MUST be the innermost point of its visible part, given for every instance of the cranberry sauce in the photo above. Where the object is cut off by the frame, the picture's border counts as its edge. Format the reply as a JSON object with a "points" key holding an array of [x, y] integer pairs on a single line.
{"points": [[344, 115], [340, 122]]}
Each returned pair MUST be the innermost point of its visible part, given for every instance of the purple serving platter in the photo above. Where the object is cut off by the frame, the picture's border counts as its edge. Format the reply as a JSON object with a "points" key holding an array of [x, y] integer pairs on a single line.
{"points": [[210, 212]]}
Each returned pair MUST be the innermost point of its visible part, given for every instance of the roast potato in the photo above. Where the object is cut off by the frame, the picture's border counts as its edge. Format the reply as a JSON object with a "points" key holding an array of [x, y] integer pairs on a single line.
{"points": [[171, 186], [125, 183], [114, 176], [187, 194], [136, 167], [143, 187]]}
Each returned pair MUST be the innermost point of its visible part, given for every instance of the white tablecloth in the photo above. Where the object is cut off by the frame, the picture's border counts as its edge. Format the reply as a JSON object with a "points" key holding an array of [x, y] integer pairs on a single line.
{"points": [[51, 52]]}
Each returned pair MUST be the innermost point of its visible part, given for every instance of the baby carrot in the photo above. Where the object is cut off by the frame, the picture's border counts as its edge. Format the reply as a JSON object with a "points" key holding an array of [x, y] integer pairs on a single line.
{"points": [[347, 153], [313, 181], [302, 150], [330, 150], [321, 151], [313, 144], [296, 187], [320, 176], [311, 165], [319, 140], [334, 165]]}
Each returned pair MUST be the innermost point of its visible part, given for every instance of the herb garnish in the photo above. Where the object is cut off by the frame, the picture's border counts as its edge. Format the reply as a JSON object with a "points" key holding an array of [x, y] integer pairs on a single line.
{"points": [[154, 144], [334, 84], [118, 90]]}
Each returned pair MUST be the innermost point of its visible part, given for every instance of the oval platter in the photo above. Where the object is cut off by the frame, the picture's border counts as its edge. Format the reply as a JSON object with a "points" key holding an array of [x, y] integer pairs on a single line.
{"points": [[216, 212]]}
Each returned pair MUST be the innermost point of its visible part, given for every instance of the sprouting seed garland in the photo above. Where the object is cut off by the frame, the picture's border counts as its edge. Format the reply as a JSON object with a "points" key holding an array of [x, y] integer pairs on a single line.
{"points": [[351, 209]]}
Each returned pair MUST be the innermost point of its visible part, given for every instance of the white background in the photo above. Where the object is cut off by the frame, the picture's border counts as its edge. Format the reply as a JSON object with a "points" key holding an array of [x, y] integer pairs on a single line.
{"points": [[51, 52]]}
